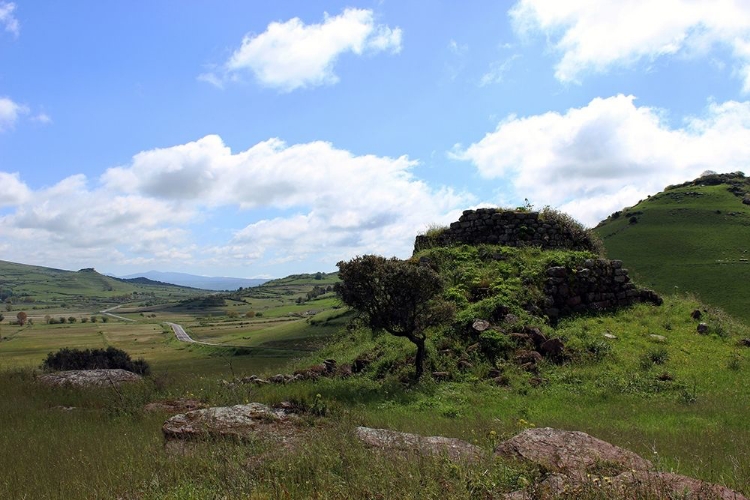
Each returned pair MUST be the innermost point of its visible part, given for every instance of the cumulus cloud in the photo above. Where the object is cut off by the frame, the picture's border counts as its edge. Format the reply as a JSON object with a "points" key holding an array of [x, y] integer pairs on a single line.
{"points": [[293, 55], [596, 159], [305, 202], [339, 200], [8, 20], [12, 190], [68, 223], [10, 112], [594, 35]]}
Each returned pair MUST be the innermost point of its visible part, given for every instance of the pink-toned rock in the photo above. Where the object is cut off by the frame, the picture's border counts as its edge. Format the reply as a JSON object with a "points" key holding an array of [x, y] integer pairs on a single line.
{"points": [[566, 451], [90, 378], [455, 449], [628, 485]]}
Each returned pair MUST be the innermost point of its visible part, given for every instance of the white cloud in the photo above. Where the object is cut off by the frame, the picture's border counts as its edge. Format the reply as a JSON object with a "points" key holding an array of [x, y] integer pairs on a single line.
{"points": [[308, 203], [10, 112], [7, 18], [594, 35], [496, 73], [362, 203], [12, 190], [596, 159], [293, 55], [43, 118]]}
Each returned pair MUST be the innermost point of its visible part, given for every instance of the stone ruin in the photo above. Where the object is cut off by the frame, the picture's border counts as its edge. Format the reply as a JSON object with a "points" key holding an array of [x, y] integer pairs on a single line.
{"points": [[597, 285], [509, 228]]}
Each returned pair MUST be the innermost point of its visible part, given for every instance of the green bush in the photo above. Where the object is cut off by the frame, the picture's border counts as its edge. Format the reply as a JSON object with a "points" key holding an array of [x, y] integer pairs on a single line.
{"points": [[495, 344], [94, 359]]}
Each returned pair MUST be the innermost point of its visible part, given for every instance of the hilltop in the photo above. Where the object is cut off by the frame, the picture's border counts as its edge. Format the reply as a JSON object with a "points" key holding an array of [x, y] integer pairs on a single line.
{"points": [[693, 237]]}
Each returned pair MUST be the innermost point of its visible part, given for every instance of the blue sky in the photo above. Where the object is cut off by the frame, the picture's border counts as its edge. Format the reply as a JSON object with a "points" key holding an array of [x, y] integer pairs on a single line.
{"points": [[269, 138]]}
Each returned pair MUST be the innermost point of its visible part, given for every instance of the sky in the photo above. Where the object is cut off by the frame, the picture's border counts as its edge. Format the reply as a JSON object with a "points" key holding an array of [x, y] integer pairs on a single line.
{"points": [[262, 139]]}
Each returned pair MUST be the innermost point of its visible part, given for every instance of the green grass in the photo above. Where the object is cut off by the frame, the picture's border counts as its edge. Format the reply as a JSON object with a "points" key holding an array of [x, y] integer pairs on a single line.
{"points": [[698, 243], [694, 424], [681, 401]]}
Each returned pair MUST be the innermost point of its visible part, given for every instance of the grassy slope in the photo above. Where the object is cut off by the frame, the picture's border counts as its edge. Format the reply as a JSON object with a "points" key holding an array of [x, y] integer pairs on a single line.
{"points": [[54, 289], [687, 241]]}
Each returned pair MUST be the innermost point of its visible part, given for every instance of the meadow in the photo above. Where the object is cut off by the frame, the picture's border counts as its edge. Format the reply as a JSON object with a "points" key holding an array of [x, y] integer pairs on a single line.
{"points": [[691, 420]]}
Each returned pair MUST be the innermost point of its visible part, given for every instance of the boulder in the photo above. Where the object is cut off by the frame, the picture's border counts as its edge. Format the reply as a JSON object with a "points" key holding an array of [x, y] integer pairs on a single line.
{"points": [[568, 451], [702, 328], [536, 336], [527, 357], [480, 325], [745, 342], [454, 449], [638, 484], [553, 349], [239, 421], [90, 378]]}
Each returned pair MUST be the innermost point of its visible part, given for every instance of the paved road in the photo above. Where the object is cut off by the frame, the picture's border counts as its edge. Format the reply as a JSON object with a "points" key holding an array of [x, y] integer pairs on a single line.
{"points": [[180, 333], [123, 318]]}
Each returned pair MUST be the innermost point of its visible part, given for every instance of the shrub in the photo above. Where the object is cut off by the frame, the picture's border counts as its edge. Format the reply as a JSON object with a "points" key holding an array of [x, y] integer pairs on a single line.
{"points": [[584, 239], [94, 359], [655, 356], [495, 344]]}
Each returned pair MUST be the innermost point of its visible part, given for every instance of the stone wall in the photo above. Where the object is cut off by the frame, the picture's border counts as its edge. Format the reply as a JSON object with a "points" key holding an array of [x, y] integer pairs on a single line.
{"points": [[597, 285], [507, 227]]}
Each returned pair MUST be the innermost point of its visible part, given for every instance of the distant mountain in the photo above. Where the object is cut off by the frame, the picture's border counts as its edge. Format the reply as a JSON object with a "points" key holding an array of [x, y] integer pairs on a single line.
{"points": [[693, 237], [194, 281]]}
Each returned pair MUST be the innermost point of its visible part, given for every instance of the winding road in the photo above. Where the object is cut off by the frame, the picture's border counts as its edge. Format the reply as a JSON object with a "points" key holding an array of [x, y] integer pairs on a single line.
{"points": [[123, 318], [182, 335]]}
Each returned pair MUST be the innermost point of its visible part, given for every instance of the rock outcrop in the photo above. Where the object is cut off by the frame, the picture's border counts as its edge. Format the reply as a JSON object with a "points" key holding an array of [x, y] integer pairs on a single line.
{"points": [[632, 484], [239, 421], [569, 451], [455, 449], [583, 465], [90, 378]]}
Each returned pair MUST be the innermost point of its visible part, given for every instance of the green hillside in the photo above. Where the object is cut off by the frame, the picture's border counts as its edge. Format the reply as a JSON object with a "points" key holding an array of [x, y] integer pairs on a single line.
{"points": [[35, 287], [690, 238]]}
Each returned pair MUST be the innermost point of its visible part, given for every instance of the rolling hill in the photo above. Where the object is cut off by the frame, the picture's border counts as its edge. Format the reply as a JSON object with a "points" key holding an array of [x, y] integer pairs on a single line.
{"points": [[693, 237], [43, 287]]}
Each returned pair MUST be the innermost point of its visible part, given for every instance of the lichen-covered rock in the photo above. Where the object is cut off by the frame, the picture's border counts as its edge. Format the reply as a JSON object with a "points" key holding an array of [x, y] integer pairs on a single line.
{"points": [[455, 449], [565, 451], [90, 378], [239, 421], [638, 484]]}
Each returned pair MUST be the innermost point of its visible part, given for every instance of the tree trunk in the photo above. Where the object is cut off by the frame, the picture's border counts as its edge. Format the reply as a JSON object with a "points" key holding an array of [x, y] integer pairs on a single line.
{"points": [[421, 354]]}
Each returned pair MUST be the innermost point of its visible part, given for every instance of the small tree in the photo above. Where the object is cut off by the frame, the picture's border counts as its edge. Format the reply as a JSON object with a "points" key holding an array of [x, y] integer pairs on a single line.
{"points": [[21, 317], [397, 296], [2, 317]]}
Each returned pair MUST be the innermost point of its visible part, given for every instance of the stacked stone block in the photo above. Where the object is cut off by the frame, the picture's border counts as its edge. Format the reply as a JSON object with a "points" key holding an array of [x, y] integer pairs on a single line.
{"points": [[503, 227], [597, 285]]}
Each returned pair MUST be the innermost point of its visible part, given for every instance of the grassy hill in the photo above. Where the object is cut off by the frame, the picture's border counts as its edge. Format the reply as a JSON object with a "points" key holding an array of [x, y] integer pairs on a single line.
{"points": [[693, 238], [34, 287]]}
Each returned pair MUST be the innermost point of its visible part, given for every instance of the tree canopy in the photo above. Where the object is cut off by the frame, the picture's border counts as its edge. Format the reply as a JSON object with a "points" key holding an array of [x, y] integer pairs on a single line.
{"points": [[396, 296]]}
